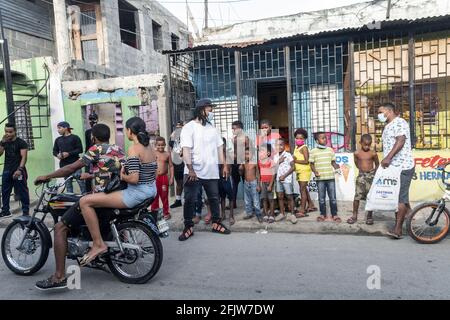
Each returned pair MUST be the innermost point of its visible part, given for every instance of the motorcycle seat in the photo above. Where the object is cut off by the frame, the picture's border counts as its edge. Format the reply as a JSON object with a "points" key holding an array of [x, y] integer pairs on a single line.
{"points": [[133, 211]]}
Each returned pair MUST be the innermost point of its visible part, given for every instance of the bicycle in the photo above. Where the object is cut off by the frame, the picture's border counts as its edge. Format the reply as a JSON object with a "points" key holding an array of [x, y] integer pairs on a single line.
{"points": [[429, 222]]}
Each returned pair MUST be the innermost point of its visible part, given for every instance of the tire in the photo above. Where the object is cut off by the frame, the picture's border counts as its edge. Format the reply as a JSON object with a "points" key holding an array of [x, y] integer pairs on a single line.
{"points": [[158, 254], [11, 262], [424, 208]]}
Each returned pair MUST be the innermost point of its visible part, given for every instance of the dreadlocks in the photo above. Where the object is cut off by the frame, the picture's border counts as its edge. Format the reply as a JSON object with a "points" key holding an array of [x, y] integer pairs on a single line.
{"points": [[200, 114]]}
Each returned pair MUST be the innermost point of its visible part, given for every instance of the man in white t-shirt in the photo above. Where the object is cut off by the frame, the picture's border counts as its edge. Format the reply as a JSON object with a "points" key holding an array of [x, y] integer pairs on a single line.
{"points": [[397, 152], [202, 154]]}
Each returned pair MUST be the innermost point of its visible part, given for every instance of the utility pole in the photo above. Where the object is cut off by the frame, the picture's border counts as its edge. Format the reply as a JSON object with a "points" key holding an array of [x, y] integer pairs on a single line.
{"points": [[388, 13], [206, 14], [7, 73]]}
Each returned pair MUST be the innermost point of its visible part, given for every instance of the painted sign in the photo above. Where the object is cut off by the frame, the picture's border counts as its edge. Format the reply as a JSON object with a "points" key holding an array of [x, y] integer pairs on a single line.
{"points": [[426, 184]]}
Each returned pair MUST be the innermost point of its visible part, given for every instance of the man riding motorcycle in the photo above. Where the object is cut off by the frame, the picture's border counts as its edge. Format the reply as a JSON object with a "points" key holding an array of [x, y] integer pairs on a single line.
{"points": [[104, 160]]}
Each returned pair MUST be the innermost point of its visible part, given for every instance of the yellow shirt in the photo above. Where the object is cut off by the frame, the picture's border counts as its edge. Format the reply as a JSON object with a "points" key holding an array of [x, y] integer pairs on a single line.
{"points": [[303, 170]]}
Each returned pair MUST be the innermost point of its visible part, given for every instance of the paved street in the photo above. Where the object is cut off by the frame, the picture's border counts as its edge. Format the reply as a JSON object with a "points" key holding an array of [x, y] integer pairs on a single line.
{"points": [[267, 266]]}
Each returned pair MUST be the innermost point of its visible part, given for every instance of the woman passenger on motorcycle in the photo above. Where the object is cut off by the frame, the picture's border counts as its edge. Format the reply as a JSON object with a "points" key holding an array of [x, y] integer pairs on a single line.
{"points": [[142, 166]]}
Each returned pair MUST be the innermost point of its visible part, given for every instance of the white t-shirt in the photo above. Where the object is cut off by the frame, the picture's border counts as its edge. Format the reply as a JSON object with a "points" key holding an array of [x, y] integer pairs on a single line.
{"points": [[404, 158], [204, 142], [285, 166]]}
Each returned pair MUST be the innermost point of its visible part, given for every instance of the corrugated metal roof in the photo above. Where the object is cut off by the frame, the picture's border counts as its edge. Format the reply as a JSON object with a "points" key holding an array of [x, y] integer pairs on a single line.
{"points": [[359, 17]]}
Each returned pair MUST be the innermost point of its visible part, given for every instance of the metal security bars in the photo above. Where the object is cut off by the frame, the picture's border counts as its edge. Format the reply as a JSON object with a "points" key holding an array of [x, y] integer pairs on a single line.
{"points": [[321, 92], [431, 86], [334, 85], [381, 67]]}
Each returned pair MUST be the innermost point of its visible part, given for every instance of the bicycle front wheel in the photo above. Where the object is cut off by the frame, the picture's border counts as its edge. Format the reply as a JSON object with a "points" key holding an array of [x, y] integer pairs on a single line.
{"points": [[425, 225]]}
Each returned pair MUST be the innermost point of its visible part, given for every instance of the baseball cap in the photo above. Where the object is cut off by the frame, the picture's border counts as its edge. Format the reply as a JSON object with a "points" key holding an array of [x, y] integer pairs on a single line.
{"points": [[64, 124], [204, 102]]}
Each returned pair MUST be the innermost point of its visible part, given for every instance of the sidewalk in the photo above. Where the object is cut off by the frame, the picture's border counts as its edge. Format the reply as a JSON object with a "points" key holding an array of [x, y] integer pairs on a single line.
{"points": [[383, 221], [16, 211]]}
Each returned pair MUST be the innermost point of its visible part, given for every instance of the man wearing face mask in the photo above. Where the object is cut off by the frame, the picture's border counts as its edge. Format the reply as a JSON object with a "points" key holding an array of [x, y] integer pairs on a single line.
{"points": [[202, 152], [398, 153]]}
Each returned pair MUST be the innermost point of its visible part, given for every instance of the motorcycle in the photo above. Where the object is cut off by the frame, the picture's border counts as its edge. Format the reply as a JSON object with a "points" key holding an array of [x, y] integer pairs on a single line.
{"points": [[135, 251]]}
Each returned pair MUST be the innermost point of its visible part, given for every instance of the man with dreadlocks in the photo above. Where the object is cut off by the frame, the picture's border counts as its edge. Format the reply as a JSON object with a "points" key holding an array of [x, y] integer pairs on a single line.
{"points": [[202, 152]]}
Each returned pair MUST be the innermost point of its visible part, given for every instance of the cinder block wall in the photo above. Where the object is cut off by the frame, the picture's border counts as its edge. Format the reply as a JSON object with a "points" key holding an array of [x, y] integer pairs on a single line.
{"points": [[123, 60], [24, 46]]}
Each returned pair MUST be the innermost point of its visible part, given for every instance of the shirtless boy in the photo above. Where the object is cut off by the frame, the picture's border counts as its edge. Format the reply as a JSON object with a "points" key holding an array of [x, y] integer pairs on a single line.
{"points": [[162, 181], [366, 160]]}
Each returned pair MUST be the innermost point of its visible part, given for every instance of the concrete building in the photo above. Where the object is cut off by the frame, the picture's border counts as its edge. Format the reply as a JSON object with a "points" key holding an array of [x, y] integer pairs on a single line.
{"points": [[59, 44], [328, 71]]}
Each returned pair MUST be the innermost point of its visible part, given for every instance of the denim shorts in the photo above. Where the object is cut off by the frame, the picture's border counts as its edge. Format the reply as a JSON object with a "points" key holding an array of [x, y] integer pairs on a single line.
{"points": [[286, 188], [135, 194]]}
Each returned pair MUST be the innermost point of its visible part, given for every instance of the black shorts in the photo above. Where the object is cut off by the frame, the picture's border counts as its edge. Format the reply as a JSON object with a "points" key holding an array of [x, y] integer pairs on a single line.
{"points": [[73, 219], [178, 171]]}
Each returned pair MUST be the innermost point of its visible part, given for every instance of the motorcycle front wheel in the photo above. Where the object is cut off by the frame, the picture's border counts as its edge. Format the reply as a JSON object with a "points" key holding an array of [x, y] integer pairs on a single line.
{"points": [[136, 266], [31, 256]]}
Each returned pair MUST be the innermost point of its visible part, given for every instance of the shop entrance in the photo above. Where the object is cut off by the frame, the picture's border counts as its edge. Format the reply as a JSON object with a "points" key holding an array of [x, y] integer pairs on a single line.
{"points": [[273, 105]]}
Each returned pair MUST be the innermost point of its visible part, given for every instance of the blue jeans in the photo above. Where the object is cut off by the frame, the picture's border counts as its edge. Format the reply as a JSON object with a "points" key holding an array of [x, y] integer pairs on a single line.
{"points": [[20, 186], [81, 183], [251, 197], [327, 186]]}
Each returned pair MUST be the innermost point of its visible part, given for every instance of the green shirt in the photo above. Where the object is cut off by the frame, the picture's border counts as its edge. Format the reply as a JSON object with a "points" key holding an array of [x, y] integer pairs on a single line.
{"points": [[321, 158]]}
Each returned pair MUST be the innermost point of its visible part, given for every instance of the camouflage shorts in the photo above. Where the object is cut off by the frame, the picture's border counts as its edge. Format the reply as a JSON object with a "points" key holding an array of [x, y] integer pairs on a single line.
{"points": [[363, 184]]}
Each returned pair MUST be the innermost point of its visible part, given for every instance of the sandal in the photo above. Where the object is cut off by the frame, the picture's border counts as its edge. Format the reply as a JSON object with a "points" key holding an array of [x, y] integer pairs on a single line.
{"points": [[320, 218], [352, 220], [88, 258], [301, 215], [337, 219], [393, 235], [217, 227], [313, 209], [187, 233], [369, 221]]}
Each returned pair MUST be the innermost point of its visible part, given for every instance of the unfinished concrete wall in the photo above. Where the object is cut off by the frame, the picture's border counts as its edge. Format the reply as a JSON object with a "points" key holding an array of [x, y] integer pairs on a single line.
{"points": [[122, 59], [25, 46]]}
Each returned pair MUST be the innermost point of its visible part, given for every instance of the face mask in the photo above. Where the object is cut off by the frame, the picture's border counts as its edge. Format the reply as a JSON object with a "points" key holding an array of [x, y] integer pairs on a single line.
{"points": [[299, 142], [321, 146], [382, 118], [210, 117]]}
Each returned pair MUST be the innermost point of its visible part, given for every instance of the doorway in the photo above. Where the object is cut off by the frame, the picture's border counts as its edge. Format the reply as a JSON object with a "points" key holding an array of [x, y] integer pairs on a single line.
{"points": [[273, 106], [111, 115]]}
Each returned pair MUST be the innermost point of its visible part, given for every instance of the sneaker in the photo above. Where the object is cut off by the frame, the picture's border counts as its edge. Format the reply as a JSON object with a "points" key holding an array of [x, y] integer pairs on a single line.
{"points": [[248, 216], [5, 214], [260, 219], [292, 218], [266, 218], [280, 217], [49, 284], [176, 204], [167, 217]]}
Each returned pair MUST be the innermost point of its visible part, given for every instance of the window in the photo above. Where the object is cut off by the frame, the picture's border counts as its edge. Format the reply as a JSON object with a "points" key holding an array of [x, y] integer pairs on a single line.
{"points": [[24, 125], [157, 36], [128, 21], [175, 42]]}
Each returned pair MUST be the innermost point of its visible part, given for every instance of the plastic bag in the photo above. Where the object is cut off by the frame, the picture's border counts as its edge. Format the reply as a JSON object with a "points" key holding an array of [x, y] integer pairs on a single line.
{"points": [[384, 192]]}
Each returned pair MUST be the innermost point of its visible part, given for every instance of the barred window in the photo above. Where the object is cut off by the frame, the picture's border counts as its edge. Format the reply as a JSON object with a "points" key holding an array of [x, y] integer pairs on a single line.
{"points": [[24, 125]]}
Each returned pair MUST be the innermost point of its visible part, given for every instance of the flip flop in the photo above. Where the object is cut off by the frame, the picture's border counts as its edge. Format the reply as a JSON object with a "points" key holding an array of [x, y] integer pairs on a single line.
{"points": [[369, 221], [394, 235], [312, 209], [352, 220], [86, 259], [320, 218]]}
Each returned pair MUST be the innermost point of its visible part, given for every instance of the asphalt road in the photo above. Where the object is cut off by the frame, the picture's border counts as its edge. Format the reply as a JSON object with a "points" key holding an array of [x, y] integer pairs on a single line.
{"points": [[267, 266]]}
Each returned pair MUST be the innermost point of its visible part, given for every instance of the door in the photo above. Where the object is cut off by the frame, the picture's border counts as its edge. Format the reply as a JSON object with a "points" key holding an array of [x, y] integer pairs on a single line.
{"points": [[249, 107]]}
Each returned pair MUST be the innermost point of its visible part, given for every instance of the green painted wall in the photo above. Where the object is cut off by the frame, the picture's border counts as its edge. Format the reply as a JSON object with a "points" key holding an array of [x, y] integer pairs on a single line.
{"points": [[73, 109], [40, 160]]}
